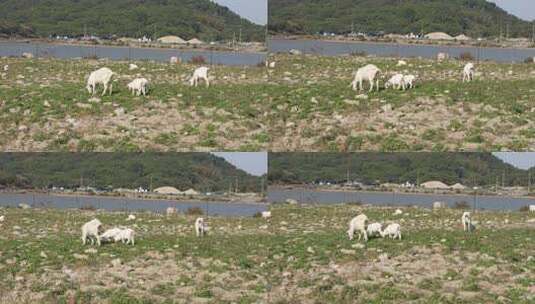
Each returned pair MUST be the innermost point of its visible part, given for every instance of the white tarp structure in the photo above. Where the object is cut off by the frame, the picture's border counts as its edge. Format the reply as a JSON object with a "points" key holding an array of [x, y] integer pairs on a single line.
{"points": [[171, 40], [167, 190], [438, 36], [434, 185]]}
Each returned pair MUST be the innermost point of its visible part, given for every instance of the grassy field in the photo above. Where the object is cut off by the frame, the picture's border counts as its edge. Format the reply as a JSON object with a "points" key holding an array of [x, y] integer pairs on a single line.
{"points": [[305, 103], [301, 255], [494, 112]]}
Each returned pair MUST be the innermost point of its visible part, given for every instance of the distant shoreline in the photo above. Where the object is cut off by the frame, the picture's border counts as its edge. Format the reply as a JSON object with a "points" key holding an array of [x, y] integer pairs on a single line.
{"points": [[408, 42], [163, 47], [253, 200]]}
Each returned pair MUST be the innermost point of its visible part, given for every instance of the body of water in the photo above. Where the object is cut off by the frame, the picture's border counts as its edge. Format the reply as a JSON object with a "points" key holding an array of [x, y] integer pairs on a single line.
{"points": [[333, 48], [397, 199], [127, 204], [9, 48]]}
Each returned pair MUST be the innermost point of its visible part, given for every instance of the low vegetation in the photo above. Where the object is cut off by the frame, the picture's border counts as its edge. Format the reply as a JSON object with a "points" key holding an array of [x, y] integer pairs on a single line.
{"points": [[302, 254]]}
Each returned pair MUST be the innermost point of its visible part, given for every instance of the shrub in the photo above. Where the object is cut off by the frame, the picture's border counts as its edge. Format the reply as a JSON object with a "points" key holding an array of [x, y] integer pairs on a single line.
{"points": [[198, 59], [194, 211], [466, 56], [461, 205], [524, 209]]}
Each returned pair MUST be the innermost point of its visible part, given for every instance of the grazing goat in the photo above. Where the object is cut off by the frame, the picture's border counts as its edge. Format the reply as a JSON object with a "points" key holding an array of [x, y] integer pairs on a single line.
{"points": [[401, 63], [126, 235], [398, 212], [408, 80], [101, 76], [532, 208], [110, 234], [170, 211], [27, 55], [393, 231], [370, 73], [174, 60], [138, 86], [131, 217], [200, 228], [467, 221], [6, 68], [442, 56], [358, 224], [468, 72], [2, 218], [90, 230], [200, 73], [266, 214], [132, 67], [374, 229], [396, 82]]}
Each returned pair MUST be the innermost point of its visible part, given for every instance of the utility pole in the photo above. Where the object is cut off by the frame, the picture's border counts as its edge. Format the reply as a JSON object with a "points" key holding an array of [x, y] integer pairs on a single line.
{"points": [[529, 181]]}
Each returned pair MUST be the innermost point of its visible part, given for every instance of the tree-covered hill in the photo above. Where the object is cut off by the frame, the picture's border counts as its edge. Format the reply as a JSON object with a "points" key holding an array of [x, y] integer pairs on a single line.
{"points": [[201, 171], [467, 168], [476, 18], [202, 19]]}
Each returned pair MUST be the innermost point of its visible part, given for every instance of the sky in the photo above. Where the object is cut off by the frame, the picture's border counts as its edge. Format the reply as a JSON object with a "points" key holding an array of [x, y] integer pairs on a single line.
{"points": [[255, 163], [524, 9], [522, 160], [254, 10]]}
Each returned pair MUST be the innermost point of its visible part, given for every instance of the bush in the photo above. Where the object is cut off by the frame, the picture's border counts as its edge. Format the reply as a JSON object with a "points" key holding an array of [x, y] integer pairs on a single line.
{"points": [[461, 205], [198, 60], [194, 211], [529, 60], [524, 209], [466, 56]]}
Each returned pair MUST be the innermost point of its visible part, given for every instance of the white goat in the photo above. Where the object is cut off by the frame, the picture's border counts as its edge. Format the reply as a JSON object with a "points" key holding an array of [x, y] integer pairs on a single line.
{"points": [[398, 212], [90, 230], [138, 86], [368, 73], [126, 235], [131, 217], [266, 214], [396, 82], [443, 56], [374, 229], [2, 218], [393, 231], [401, 63], [174, 60], [409, 81], [170, 211], [27, 55], [6, 68], [532, 208], [101, 76], [468, 72], [358, 224], [132, 67], [270, 64], [200, 227], [110, 234], [467, 221], [198, 74]]}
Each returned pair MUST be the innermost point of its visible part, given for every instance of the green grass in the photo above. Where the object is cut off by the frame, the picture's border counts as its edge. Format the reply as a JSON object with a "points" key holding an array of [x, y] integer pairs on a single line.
{"points": [[258, 259]]}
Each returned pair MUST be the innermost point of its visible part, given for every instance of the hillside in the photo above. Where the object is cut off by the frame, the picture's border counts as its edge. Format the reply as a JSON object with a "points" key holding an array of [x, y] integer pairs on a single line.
{"points": [[134, 18], [466, 168], [201, 171], [476, 18]]}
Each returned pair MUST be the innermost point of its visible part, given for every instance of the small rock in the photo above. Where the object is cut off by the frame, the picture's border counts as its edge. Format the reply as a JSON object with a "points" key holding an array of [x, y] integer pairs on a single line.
{"points": [[91, 251], [116, 262], [80, 256]]}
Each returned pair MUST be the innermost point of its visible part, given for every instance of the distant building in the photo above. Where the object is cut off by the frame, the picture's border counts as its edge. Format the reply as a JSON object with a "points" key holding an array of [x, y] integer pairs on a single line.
{"points": [[434, 185], [195, 41], [171, 40], [438, 36], [458, 186], [167, 190], [462, 37]]}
